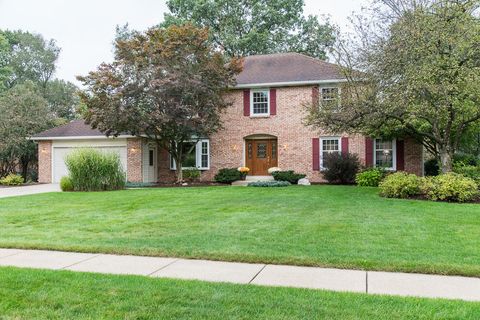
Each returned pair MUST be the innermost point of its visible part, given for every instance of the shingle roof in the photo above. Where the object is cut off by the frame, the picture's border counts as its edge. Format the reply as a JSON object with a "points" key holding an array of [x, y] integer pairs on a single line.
{"points": [[286, 67], [76, 128]]}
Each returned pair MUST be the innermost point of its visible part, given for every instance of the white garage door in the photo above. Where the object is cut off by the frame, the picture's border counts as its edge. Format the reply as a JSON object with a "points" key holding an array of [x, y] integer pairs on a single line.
{"points": [[60, 168]]}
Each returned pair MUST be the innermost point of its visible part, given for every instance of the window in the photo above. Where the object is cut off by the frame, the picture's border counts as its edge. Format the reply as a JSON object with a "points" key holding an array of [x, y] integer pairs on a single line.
{"points": [[197, 155], [330, 96], [384, 154], [329, 145], [150, 157], [260, 103]]}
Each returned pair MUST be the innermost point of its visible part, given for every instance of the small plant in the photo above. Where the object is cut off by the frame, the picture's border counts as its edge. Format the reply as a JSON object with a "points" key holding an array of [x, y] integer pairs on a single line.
{"points": [[269, 184], [340, 168], [140, 184], [228, 175], [92, 170], [191, 174], [66, 184], [273, 169], [243, 171], [288, 176], [370, 177], [400, 185], [450, 187], [431, 167], [469, 171], [12, 180]]}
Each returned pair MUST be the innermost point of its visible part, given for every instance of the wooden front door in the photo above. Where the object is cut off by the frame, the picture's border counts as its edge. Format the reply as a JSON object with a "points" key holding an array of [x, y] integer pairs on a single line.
{"points": [[260, 156]]}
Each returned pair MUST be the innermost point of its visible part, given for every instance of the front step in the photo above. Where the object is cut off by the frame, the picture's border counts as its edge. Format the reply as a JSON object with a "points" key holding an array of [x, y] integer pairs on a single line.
{"points": [[248, 179]]}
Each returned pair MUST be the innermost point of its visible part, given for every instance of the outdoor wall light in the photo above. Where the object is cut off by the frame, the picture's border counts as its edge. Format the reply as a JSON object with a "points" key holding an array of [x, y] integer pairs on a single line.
{"points": [[285, 146], [234, 147]]}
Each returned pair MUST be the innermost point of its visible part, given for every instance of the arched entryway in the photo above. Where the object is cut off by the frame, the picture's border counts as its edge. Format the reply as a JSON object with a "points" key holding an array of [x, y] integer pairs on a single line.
{"points": [[261, 153]]}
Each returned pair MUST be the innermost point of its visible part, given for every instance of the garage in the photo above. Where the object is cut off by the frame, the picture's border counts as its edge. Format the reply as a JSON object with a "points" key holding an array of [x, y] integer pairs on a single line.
{"points": [[59, 153]]}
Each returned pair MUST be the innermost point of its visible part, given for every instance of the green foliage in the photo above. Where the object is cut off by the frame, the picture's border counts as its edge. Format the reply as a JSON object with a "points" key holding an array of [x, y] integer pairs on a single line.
{"points": [[370, 177], [468, 170], [450, 187], [63, 99], [92, 170], [191, 174], [139, 184], [245, 27], [228, 175], [289, 176], [400, 185], [465, 159], [431, 167], [12, 180], [340, 168], [66, 184], [269, 184]]}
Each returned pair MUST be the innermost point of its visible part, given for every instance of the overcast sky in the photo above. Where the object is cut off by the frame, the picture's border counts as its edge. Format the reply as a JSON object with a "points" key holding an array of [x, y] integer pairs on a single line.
{"points": [[84, 29]]}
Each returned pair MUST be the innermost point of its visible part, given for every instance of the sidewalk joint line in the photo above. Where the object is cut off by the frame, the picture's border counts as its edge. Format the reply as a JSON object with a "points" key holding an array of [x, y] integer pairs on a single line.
{"points": [[167, 265], [366, 281], [78, 262], [257, 274], [11, 255]]}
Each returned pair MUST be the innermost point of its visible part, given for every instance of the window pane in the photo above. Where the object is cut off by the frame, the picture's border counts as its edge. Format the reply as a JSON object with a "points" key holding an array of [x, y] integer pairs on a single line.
{"points": [[189, 158], [261, 150], [204, 154], [384, 153], [329, 94], [260, 102], [150, 157]]}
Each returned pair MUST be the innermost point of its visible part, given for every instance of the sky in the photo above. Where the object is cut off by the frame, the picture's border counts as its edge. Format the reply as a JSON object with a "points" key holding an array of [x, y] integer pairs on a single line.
{"points": [[85, 29]]}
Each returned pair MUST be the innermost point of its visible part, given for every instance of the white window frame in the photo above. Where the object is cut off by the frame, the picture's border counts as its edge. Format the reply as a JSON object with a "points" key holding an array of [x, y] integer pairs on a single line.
{"points": [[394, 154], [339, 139], [252, 114], [339, 95], [198, 156]]}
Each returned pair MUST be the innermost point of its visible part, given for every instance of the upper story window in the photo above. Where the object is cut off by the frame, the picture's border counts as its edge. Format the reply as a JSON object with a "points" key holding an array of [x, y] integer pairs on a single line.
{"points": [[384, 154], [329, 145], [260, 103], [330, 96]]}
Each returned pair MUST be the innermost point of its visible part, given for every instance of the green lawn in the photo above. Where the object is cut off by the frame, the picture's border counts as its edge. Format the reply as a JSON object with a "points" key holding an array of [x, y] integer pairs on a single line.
{"points": [[338, 226], [35, 294]]}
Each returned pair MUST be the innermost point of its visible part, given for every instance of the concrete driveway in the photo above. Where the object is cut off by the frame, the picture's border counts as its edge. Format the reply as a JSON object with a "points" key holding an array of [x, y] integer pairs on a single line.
{"points": [[26, 190]]}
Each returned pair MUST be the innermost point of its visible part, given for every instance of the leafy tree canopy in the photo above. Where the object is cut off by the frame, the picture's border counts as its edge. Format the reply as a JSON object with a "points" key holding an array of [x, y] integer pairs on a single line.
{"points": [[167, 84], [247, 27], [412, 69]]}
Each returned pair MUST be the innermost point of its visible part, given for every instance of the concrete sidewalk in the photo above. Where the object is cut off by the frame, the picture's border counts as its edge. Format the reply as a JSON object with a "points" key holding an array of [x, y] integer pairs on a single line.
{"points": [[402, 284], [26, 190]]}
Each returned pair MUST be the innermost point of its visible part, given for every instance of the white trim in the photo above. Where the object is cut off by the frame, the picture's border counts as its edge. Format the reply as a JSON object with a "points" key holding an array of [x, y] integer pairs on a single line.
{"points": [[394, 154], [287, 83], [79, 137], [339, 139], [252, 114]]}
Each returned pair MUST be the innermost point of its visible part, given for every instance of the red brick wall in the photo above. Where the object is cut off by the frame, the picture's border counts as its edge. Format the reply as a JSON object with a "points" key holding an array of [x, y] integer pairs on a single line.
{"points": [[134, 160], [45, 161], [413, 157]]}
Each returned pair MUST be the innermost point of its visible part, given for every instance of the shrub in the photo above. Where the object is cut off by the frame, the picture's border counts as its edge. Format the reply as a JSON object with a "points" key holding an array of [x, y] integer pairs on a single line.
{"points": [[400, 185], [466, 159], [288, 176], [66, 184], [269, 184], [472, 172], [12, 180], [92, 170], [140, 184], [370, 177], [191, 174], [450, 187], [228, 175], [340, 168], [431, 167]]}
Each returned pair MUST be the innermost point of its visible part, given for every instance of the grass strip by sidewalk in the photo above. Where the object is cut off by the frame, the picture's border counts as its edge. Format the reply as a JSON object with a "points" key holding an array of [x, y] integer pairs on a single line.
{"points": [[40, 294]]}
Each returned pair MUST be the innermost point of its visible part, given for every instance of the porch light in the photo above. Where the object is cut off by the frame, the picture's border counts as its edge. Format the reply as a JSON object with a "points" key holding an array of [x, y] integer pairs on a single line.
{"points": [[234, 147], [43, 150], [285, 146], [133, 150]]}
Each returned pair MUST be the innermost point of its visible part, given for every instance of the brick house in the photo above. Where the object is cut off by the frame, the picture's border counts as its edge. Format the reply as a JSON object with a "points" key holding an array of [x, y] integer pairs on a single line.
{"points": [[262, 129]]}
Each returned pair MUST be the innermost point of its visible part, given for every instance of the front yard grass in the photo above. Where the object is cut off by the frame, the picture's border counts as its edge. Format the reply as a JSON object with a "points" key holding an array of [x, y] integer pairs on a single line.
{"points": [[36, 294], [334, 226]]}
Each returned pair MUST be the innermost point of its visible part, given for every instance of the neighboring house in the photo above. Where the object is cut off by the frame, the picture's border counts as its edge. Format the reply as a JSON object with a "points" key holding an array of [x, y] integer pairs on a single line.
{"points": [[264, 128]]}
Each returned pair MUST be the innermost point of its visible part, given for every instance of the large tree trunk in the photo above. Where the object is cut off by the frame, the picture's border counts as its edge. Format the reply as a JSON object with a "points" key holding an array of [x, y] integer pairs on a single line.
{"points": [[179, 171], [446, 160]]}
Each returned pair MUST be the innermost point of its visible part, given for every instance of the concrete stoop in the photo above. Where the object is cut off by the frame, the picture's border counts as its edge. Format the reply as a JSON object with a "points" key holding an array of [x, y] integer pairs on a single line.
{"points": [[248, 179]]}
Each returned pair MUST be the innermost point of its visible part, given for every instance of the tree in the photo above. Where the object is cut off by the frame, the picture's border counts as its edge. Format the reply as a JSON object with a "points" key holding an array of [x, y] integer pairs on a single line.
{"points": [[247, 27], [4, 68], [23, 112], [165, 84], [62, 97], [413, 69]]}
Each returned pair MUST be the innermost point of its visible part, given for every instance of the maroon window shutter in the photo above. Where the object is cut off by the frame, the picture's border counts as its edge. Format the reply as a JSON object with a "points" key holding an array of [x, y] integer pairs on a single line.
{"points": [[316, 154], [344, 145], [369, 152], [273, 102], [315, 95], [400, 155], [246, 103]]}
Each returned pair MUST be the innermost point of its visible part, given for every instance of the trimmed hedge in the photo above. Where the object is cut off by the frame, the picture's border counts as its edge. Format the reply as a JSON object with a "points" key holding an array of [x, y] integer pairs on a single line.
{"points": [[340, 168], [400, 185], [191, 174], [370, 177], [12, 180], [269, 184], [288, 176], [228, 175], [92, 170], [450, 187], [66, 184]]}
